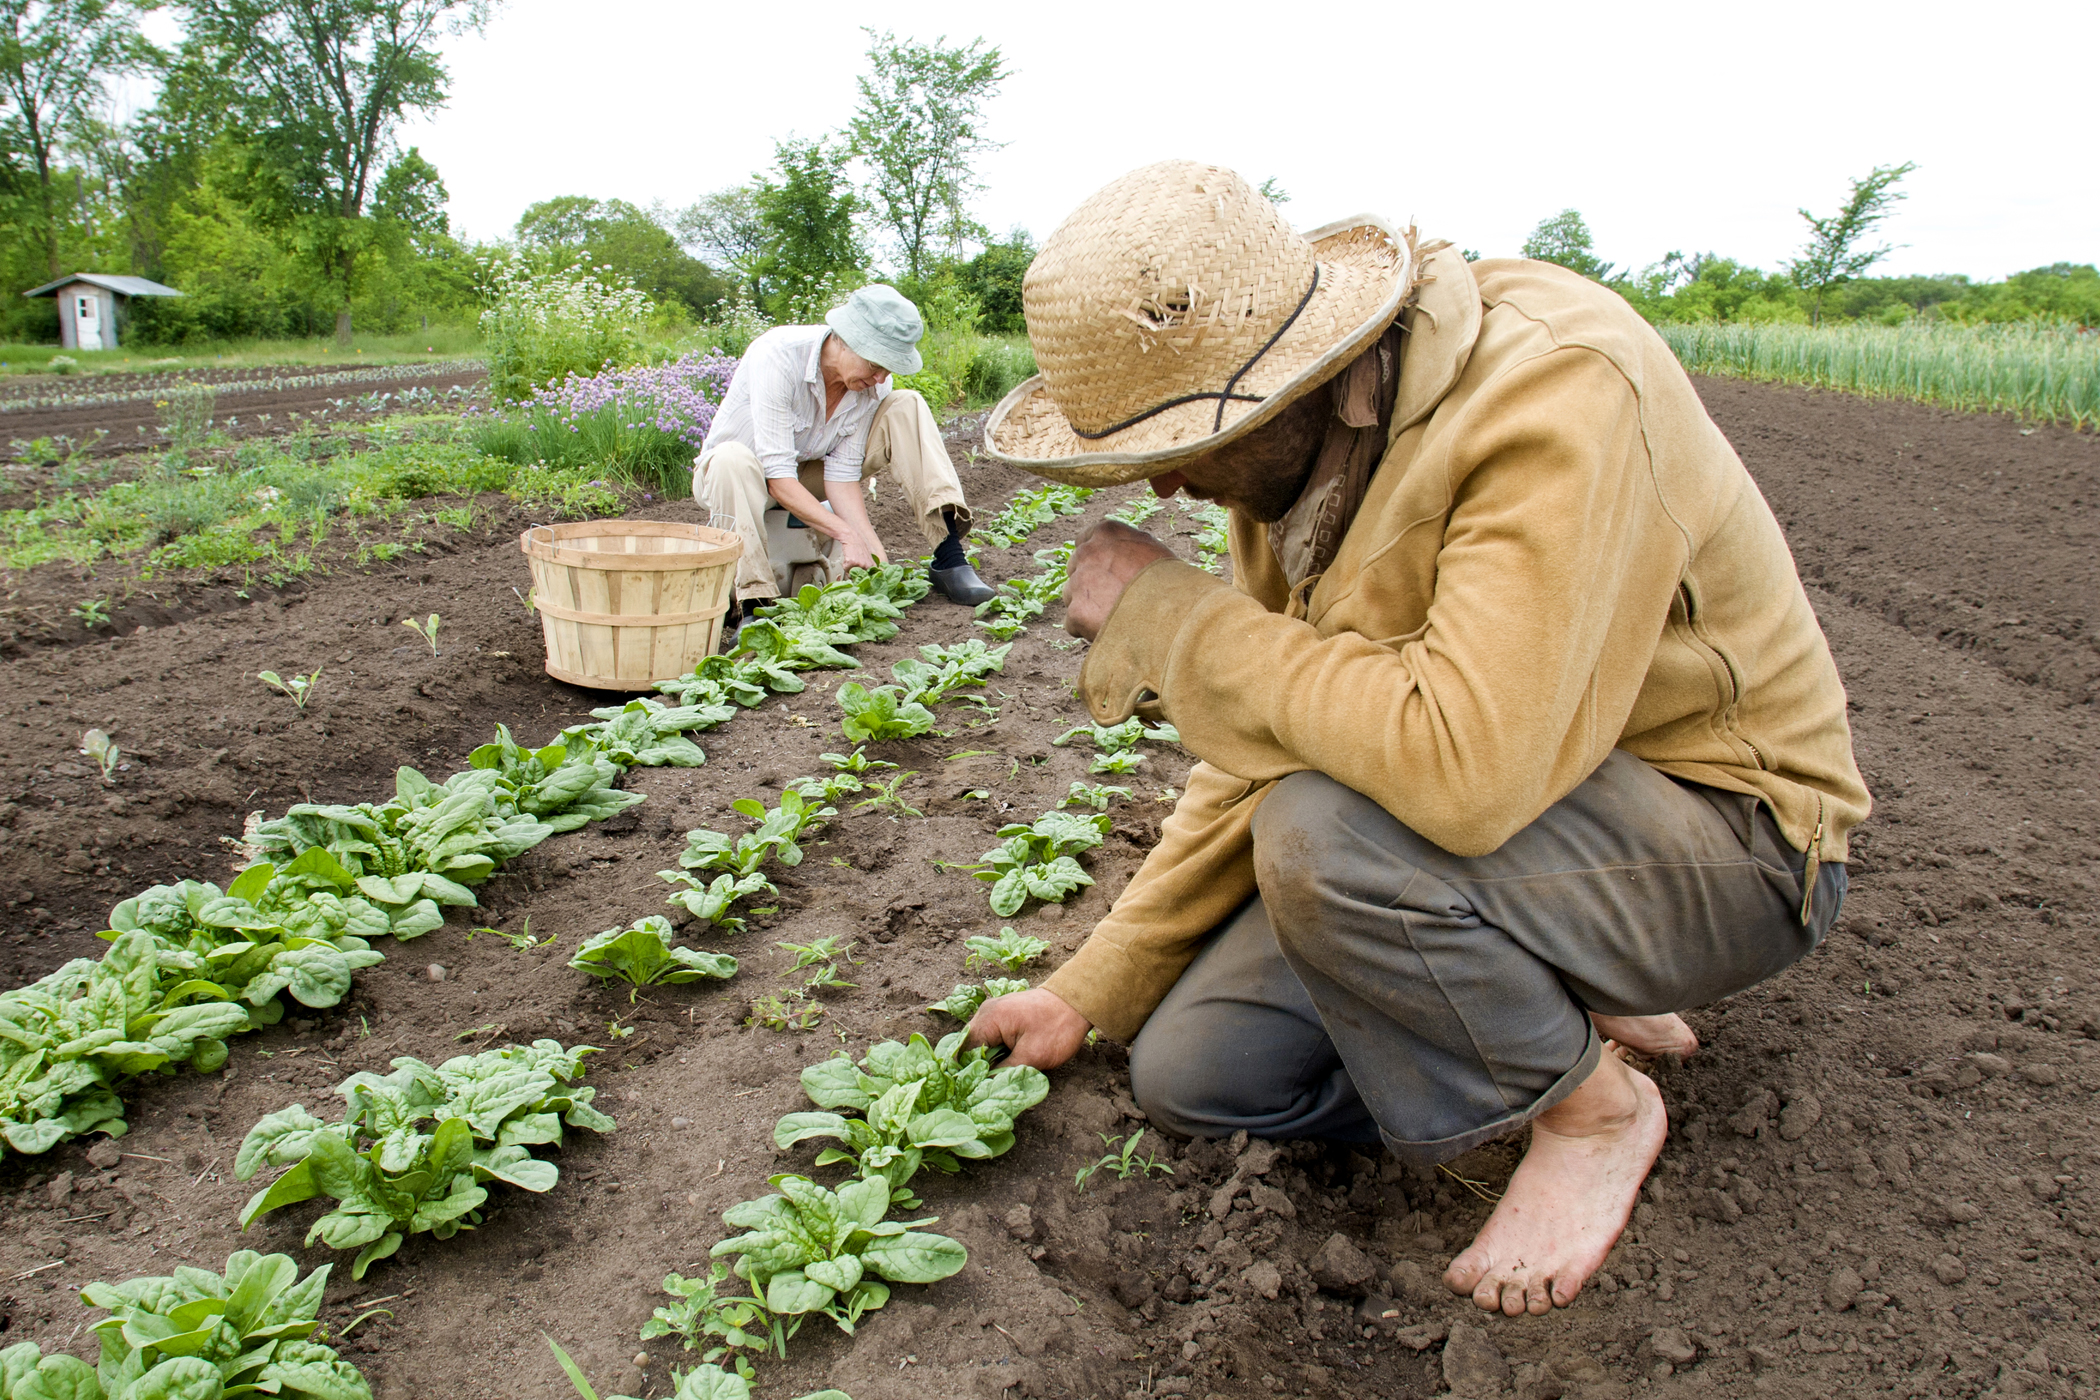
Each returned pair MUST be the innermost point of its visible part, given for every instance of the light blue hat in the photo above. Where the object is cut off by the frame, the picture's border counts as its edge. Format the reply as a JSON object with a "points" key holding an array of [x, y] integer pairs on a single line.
{"points": [[880, 325]]}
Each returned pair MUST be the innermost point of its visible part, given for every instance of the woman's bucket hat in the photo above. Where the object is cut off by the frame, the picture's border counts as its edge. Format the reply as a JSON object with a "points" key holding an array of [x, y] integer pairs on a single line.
{"points": [[1175, 311], [879, 324]]}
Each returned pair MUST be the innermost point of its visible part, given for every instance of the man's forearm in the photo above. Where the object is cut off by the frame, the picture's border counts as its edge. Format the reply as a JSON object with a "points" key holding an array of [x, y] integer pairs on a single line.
{"points": [[850, 504]]}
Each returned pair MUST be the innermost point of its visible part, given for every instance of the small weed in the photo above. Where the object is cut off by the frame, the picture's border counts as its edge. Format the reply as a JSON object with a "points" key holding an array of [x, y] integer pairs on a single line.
{"points": [[100, 747], [92, 612], [887, 797], [523, 940], [385, 552], [299, 688], [460, 518], [794, 1011], [1124, 1161], [428, 631]]}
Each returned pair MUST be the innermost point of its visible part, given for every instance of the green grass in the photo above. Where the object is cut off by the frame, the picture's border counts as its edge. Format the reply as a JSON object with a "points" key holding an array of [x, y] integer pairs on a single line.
{"points": [[271, 508], [436, 343], [2041, 373]]}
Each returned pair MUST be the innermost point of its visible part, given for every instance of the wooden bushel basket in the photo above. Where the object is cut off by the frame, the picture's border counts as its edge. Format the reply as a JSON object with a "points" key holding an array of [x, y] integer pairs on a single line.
{"points": [[627, 603]]}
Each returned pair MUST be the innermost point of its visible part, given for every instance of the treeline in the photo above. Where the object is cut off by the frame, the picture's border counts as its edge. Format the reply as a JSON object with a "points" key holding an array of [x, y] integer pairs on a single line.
{"points": [[265, 182], [1827, 281]]}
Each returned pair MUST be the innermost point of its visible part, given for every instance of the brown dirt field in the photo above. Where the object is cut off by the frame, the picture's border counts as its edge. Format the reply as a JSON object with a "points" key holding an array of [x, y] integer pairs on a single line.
{"points": [[1881, 1167]]}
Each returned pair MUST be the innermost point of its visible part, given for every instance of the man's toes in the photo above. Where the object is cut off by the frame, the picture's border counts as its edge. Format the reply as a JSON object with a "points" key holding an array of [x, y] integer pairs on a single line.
{"points": [[1465, 1271], [1488, 1295], [1538, 1296], [1564, 1291]]}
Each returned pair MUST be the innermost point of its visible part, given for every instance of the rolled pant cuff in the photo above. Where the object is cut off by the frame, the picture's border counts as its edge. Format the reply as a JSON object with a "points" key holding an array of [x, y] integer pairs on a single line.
{"points": [[1430, 1153]]}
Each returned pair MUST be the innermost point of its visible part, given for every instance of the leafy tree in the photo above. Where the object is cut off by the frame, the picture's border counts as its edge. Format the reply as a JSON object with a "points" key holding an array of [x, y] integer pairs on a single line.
{"points": [[1272, 190], [56, 60], [993, 278], [807, 209], [321, 88], [630, 240], [1833, 253], [1565, 239], [728, 228], [918, 126]]}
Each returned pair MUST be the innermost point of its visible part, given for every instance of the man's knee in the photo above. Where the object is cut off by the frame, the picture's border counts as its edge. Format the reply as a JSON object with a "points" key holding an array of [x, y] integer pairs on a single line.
{"points": [[1183, 1083], [1296, 840]]}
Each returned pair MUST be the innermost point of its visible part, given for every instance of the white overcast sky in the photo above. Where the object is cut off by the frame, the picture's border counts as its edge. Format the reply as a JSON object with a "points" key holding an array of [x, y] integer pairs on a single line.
{"points": [[1669, 125]]}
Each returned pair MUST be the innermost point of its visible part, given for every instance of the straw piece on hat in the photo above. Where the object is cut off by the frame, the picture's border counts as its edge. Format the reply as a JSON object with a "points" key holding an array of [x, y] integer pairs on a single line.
{"points": [[1175, 310]]}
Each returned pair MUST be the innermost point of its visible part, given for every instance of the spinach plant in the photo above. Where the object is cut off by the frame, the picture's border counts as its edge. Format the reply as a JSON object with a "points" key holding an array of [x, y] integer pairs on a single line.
{"points": [[1094, 795], [809, 1250], [918, 1104], [1009, 950], [566, 784], [880, 713], [69, 1038], [887, 795], [390, 1176], [962, 1003], [780, 829], [648, 733], [1036, 859], [641, 955], [712, 902], [1030, 509], [857, 763], [197, 1336]]}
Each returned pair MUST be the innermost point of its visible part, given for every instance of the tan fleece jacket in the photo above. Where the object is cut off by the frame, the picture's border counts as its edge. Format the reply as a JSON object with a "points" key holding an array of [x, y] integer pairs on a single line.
{"points": [[1559, 555]]}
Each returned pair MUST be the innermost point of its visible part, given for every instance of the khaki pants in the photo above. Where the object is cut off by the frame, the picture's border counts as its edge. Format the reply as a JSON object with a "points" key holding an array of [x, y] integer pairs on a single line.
{"points": [[903, 440]]}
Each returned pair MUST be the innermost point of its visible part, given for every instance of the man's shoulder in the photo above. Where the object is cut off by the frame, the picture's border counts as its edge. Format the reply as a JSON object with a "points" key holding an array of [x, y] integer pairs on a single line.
{"points": [[782, 339], [1559, 308]]}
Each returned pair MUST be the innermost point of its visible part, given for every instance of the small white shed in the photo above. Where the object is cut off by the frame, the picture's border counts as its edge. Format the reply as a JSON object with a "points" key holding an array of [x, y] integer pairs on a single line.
{"points": [[89, 304]]}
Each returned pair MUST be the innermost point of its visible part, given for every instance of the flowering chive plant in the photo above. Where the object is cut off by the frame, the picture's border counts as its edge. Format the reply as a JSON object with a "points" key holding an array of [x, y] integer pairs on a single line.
{"points": [[644, 423]]}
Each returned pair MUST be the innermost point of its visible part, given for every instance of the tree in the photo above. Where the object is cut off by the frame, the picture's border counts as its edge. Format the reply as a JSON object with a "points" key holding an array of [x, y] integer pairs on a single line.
{"points": [[56, 60], [728, 228], [1832, 254], [1564, 239], [918, 126], [993, 278], [630, 240], [807, 210], [322, 87]]}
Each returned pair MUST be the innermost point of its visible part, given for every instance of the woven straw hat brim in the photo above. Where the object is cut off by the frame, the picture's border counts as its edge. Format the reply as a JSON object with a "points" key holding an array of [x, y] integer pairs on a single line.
{"points": [[1365, 271]]}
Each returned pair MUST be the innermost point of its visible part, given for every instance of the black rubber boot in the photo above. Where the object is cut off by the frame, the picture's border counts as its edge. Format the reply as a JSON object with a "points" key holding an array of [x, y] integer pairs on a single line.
{"points": [[961, 585]]}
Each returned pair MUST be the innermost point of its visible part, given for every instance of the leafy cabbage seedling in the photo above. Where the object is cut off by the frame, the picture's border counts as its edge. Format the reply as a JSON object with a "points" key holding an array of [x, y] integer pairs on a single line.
{"points": [[811, 1250], [1035, 860], [962, 1003], [1009, 950], [880, 713], [390, 1177], [641, 954]]}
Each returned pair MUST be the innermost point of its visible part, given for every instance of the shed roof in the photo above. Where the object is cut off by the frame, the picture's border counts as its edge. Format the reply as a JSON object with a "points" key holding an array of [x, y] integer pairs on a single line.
{"points": [[109, 282]]}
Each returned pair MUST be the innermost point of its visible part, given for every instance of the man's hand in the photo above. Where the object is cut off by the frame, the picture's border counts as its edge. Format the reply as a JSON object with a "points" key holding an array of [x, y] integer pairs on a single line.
{"points": [[1039, 1026], [857, 553], [1109, 556]]}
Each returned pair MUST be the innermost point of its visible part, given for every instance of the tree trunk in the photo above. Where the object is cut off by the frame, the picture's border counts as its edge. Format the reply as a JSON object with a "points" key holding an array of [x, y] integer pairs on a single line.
{"points": [[342, 327]]}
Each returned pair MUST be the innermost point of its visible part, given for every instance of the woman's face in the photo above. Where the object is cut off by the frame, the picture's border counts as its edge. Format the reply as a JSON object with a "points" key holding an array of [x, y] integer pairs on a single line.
{"points": [[850, 370]]}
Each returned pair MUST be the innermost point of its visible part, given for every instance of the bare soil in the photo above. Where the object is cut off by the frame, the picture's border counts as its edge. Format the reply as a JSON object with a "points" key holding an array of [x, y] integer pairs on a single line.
{"points": [[1881, 1166]]}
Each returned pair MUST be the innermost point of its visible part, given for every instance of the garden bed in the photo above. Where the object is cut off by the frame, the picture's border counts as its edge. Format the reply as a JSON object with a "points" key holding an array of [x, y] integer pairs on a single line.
{"points": [[1915, 1090]]}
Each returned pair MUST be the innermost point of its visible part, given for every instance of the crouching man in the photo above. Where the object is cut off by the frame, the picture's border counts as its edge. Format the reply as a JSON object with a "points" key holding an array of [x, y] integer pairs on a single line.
{"points": [[811, 413], [1518, 735]]}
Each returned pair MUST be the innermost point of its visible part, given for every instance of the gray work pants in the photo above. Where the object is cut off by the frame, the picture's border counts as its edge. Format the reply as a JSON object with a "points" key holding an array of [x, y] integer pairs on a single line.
{"points": [[1381, 986]]}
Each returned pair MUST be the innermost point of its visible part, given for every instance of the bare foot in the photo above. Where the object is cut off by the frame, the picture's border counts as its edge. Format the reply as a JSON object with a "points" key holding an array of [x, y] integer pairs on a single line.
{"points": [[1653, 1036], [1570, 1197]]}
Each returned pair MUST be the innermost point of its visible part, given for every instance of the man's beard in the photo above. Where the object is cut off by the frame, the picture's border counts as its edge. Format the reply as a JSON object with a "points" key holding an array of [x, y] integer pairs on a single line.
{"points": [[1264, 473]]}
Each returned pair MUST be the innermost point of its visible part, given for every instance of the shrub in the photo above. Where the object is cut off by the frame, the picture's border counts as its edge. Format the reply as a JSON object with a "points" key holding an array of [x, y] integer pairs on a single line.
{"points": [[543, 326]]}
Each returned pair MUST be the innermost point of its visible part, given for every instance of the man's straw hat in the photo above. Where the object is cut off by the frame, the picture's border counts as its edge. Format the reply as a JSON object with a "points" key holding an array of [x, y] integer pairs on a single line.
{"points": [[1176, 311]]}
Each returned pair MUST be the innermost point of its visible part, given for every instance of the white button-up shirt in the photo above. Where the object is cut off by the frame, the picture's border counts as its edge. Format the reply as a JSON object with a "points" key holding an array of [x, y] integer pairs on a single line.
{"points": [[775, 407]]}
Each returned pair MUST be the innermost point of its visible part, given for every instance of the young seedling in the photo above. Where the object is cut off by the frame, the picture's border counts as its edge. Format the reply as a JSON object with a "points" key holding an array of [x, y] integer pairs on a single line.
{"points": [[823, 954], [718, 1322], [887, 797], [1094, 795], [1010, 950], [856, 763], [523, 940], [642, 956], [428, 631], [299, 688], [1124, 1162], [792, 1011], [92, 612], [100, 747]]}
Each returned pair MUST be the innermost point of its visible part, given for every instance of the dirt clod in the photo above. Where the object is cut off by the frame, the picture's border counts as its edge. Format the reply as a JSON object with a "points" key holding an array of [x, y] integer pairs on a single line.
{"points": [[105, 1154], [1948, 1269], [1340, 1267], [1473, 1366], [1673, 1346]]}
